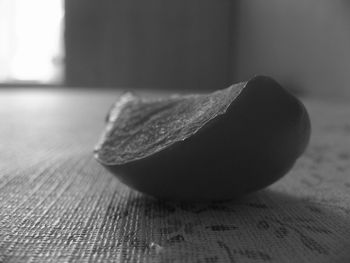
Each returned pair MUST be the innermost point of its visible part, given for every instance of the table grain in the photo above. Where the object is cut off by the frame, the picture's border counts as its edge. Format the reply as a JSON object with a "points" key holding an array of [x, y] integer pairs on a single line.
{"points": [[57, 204]]}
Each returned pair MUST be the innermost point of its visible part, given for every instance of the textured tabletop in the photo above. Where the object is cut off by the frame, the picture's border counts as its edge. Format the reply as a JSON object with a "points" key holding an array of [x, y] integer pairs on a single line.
{"points": [[57, 204]]}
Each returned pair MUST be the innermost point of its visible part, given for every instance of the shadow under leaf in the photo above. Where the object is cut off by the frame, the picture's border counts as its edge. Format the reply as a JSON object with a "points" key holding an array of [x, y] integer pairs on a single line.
{"points": [[266, 226]]}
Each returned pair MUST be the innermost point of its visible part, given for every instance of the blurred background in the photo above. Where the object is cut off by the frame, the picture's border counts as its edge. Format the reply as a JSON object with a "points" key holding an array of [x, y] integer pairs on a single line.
{"points": [[196, 45]]}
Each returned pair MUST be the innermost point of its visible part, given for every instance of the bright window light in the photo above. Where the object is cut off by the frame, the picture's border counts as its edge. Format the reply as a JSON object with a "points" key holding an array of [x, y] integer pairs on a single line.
{"points": [[31, 42]]}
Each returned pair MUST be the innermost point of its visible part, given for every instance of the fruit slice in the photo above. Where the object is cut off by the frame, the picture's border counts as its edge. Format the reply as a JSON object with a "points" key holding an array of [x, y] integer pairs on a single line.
{"points": [[205, 147]]}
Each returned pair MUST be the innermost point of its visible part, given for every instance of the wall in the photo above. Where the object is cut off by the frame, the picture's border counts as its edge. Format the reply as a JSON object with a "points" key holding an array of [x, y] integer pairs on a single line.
{"points": [[303, 43], [156, 43], [207, 44]]}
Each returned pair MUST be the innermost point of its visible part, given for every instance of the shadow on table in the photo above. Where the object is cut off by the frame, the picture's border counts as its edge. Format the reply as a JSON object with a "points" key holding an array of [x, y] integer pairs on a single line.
{"points": [[265, 226]]}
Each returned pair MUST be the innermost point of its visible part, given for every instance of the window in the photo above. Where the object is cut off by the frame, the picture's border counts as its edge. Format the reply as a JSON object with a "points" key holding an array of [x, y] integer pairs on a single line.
{"points": [[31, 41]]}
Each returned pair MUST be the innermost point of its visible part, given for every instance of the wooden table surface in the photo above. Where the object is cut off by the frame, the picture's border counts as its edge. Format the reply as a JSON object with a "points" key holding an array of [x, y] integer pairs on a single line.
{"points": [[57, 204]]}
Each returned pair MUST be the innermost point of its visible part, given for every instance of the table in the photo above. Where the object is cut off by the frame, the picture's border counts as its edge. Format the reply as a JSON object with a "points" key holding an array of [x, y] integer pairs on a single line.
{"points": [[59, 205]]}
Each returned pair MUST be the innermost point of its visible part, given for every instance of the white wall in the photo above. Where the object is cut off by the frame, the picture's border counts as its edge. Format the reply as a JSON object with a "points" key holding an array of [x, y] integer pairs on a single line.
{"points": [[303, 43]]}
